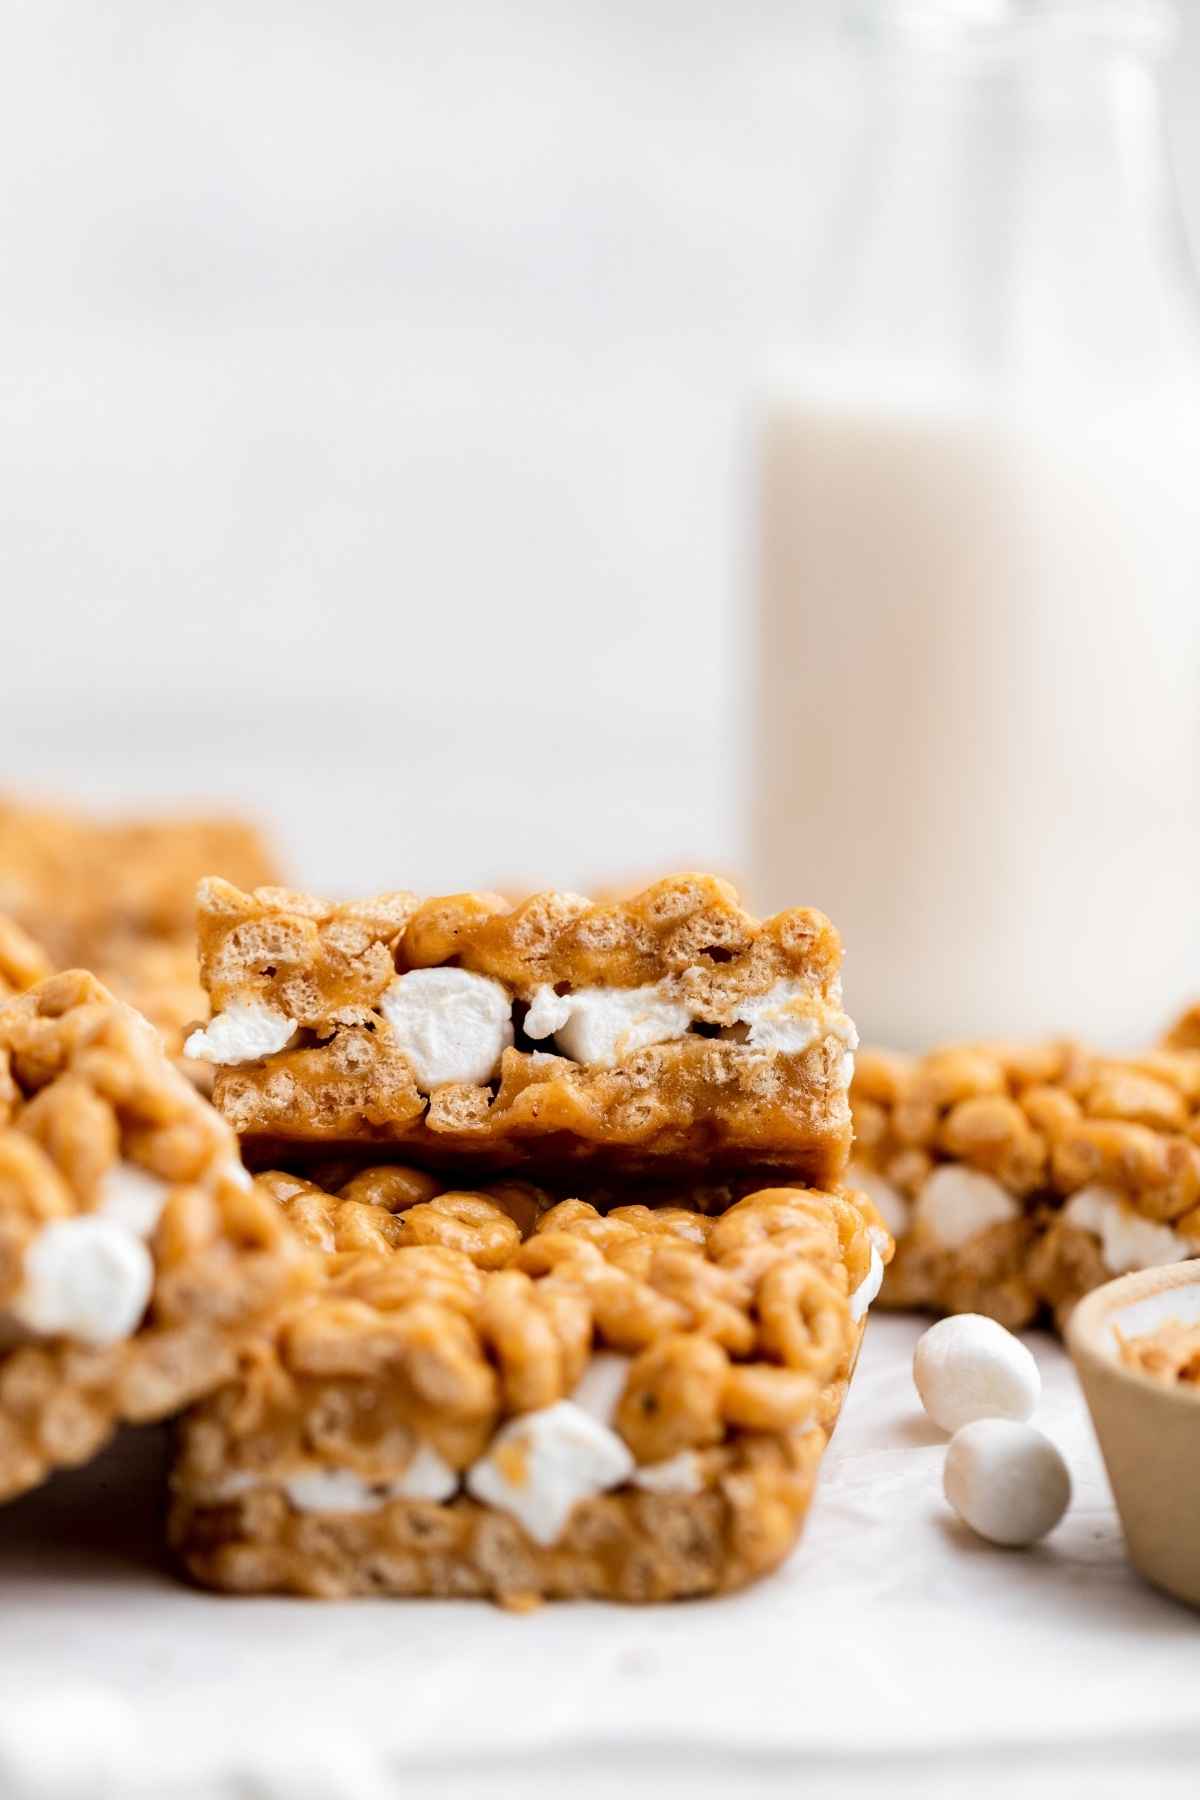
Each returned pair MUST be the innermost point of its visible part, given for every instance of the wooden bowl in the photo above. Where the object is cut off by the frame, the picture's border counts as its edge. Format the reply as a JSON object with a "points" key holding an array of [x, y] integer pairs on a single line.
{"points": [[1149, 1432]]}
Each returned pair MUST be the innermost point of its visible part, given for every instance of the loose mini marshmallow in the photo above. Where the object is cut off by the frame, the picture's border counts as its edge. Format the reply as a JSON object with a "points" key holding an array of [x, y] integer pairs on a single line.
{"points": [[891, 1205], [427, 1477], [1006, 1481], [87, 1278], [678, 1474], [968, 1367], [1127, 1239], [542, 1464], [599, 1389], [132, 1198], [242, 1032], [868, 1287], [956, 1204], [599, 1026], [450, 1024]]}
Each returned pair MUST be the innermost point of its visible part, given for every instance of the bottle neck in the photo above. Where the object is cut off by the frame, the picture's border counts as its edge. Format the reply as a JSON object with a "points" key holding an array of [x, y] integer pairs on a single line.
{"points": [[1017, 216]]}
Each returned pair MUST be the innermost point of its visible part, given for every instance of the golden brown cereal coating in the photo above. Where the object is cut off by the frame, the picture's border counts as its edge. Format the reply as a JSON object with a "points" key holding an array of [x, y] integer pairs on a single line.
{"points": [[705, 1099], [1044, 1122], [438, 1343], [79, 884], [118, 897], [22, 962], [87, 1097]]}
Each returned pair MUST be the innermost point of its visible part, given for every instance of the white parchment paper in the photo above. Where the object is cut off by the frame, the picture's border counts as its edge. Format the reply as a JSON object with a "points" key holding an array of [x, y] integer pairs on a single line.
{"points": [[894, 1655]]}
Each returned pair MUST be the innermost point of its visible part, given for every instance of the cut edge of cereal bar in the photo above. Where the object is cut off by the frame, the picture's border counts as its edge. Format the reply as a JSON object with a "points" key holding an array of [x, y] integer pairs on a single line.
{"points": [[669, 1028]]}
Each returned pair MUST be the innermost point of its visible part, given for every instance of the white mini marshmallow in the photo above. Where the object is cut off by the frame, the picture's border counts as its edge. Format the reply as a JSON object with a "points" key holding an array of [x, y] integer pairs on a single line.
{"points": [[868, 1287], [1128, 1240], [1006, 1481], [427, 1477], [452, 1025], [781, 1019], [599, 1389], [788, 1018], [87, 1278], [968, 1367], [678, 1474], [600, 1026], [542, 1464], [956, 1204], [887, 1199], [131, 1197], [241, 1032]]}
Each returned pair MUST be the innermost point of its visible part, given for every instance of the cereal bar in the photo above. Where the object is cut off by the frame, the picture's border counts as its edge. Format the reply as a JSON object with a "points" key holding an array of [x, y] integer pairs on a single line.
{"points": [[666, 1030], [1016, 1179], [135, 1252], [118, 897], [492, 1395]]}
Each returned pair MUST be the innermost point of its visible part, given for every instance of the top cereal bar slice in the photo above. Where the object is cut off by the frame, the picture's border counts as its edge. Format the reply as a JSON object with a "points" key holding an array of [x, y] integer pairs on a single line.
{"points": [[136, 1254], [667, 1030]]}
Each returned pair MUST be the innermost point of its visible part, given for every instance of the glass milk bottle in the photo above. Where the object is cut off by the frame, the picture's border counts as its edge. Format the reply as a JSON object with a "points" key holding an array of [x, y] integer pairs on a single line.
{"points": [[980, 541]]}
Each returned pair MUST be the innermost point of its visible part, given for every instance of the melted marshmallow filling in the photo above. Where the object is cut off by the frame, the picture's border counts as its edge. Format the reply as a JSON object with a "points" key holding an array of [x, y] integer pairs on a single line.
{"points": [[241, 1032], [90, 1277], [601, 1026], [868, 1287], [891, 1205], [1128, 1240], [956, 1204], [538, 1467], [453, 1026]]}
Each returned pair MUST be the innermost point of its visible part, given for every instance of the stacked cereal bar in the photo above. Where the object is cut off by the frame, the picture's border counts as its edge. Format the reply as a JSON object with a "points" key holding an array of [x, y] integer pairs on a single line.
{"points": [[1019, 1179], [135, 1253], [494, 1395], [670, 1031], [118, 897]]}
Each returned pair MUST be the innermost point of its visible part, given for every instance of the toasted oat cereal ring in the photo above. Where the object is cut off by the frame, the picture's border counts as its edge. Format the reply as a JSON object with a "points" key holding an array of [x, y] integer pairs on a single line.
{"points": [[804, 1322]]}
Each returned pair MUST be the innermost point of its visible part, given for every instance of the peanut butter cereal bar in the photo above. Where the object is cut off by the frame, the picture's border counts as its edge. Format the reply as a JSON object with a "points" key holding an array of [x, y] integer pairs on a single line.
{"points": [[1016, 1179], [494, 1396], [118, 897], [669, 1030], [135, 1252], [1171, 1354], [81, 885]]}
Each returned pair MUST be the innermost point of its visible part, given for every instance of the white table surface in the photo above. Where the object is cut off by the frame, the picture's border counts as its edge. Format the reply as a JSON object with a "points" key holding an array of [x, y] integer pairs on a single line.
{"points": [[894, 1655]]}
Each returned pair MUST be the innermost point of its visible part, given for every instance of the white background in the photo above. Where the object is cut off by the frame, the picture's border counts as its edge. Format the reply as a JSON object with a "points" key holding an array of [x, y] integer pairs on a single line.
{"points": [[376, 412]]}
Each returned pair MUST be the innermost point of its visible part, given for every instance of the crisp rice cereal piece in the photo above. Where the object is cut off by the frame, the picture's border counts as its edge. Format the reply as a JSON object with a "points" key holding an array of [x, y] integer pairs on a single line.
{"points": [[632, 1408], [136, 1254]]}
